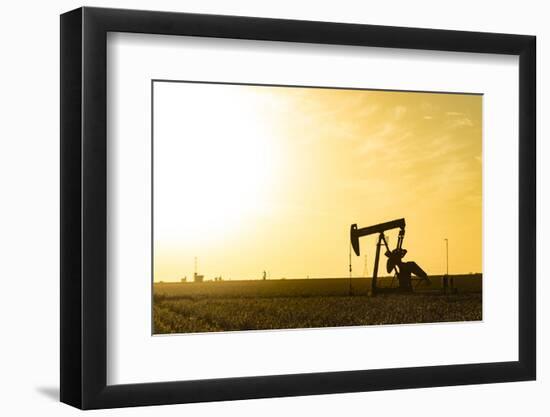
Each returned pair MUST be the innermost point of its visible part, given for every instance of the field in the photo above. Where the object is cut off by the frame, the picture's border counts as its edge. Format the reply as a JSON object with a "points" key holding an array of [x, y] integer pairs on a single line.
{"points": [[306, 303]]}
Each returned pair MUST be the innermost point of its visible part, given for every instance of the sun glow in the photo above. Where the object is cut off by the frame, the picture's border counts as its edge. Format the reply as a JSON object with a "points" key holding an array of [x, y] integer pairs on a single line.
{"points": [[218, 171]]}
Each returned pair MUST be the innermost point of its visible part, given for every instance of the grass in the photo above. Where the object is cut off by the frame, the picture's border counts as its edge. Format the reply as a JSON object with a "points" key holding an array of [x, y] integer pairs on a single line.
{"points": [[290, 304]]}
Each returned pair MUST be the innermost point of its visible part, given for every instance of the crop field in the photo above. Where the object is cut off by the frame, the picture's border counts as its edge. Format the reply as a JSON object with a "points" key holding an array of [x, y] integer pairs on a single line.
{"points": [[307, 303]]}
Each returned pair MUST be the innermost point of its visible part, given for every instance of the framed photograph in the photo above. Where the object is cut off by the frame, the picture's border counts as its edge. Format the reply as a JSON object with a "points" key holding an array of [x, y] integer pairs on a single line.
{"points": [[258, 207]]}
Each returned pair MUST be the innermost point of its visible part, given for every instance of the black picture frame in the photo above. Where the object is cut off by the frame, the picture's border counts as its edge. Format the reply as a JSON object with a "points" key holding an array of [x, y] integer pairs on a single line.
{"points": [[84, 207]]}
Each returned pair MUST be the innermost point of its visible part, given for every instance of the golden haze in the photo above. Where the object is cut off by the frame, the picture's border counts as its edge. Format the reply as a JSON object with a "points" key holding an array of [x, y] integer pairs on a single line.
{"points": [[270, 178]]}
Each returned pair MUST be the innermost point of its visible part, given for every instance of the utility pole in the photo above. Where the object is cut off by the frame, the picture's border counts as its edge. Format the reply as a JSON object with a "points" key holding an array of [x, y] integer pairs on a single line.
{"points": [[446, 279], [447, 252], [349, 289]]}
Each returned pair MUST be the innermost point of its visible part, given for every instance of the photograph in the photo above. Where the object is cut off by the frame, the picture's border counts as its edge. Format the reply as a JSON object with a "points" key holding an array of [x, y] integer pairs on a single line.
{"points": [[296, 207]]}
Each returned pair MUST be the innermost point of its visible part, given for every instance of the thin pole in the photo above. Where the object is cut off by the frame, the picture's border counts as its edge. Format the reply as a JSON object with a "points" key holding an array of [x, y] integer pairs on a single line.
{"points": [[349, 289], [447, 251]]}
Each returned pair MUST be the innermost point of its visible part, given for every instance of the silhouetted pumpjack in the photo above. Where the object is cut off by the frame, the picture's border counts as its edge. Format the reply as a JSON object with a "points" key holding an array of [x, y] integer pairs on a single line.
{"points": [[403, 270]]}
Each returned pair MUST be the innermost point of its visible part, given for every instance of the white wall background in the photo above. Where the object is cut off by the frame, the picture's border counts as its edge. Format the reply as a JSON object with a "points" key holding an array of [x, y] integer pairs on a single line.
{"points": [[29, 212]]}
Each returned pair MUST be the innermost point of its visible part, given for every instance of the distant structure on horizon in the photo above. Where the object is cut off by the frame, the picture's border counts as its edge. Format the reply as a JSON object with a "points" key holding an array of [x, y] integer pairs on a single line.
{"points": [[196, 276]]}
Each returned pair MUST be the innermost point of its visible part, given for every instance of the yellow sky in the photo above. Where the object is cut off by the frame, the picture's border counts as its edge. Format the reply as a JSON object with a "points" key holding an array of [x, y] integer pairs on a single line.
{"points": [[252, 178]]}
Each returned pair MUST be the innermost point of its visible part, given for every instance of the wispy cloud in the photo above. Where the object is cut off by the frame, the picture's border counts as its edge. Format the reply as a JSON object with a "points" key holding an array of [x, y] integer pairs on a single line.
{"points": [[458, 119], [460, 122]]}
